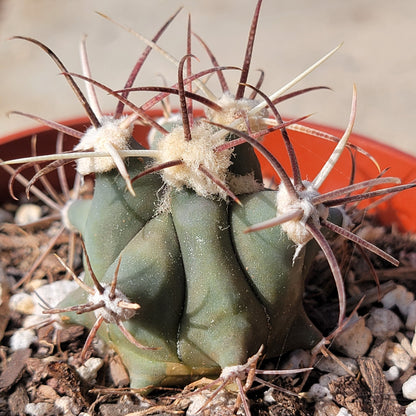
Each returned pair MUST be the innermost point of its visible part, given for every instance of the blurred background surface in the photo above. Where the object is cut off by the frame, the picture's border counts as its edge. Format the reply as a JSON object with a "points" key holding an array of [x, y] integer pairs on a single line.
{"points": [[378, 55]]}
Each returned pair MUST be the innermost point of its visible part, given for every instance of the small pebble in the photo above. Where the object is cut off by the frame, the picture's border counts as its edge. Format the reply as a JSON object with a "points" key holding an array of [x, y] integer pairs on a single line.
{"points": [[297, 359], [22, 303], [411, 409], [344, 412], [325, 379], [22, 338], [325, 408], [39, 409], [34, 284], [27, 213], [378, 351], [67, 405], [405, 343], [399, 297], [397, 356], [411, 316], [88, 371], [383, 323], [317, 393], [268, 396], [355, 340], [328, 365], [32, 321], [118, 372], [52, 294], [409, 388], [392, 373], [198, 400]]}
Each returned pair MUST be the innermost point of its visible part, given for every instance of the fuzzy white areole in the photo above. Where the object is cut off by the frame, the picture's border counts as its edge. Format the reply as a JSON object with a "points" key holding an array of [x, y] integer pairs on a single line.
{"points": [[112, 136]]}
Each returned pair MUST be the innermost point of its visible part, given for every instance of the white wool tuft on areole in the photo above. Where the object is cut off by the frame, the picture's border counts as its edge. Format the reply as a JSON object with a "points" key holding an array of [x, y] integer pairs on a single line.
{"points": [[295, 229], [109, 136], [200, 151]]}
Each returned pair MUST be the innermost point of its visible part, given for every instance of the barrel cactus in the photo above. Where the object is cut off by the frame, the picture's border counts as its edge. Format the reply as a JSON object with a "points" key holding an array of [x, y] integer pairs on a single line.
{"points": [[191, 263]]}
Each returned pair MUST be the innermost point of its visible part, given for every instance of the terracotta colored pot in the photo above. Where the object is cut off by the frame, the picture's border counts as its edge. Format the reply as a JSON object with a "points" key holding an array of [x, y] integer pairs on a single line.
{"points": [[312, 153]]}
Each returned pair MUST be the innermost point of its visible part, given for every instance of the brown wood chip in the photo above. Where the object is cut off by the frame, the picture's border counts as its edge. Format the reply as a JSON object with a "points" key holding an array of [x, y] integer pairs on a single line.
{"points": [[348, 392], [383, 399], [69, 382], [70, 333], [18, 400], [14, 369]]}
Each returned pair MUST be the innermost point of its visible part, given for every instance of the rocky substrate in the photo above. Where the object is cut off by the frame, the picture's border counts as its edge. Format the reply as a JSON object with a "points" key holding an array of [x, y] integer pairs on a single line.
{"points": [[367, 369]]}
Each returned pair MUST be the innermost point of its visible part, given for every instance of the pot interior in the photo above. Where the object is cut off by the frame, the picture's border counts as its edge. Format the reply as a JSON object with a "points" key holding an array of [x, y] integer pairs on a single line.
{"points": [[312, 152]]}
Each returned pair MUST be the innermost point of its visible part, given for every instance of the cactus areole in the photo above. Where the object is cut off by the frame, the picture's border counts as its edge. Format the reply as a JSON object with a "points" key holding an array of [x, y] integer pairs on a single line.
{"points": [[192, 264]]}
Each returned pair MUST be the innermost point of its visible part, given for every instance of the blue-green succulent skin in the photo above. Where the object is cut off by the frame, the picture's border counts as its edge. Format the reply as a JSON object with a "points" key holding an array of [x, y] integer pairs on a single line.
{"points": [[210, 294], [223, 322], [277, 278], [77, 214], [116, 216]]}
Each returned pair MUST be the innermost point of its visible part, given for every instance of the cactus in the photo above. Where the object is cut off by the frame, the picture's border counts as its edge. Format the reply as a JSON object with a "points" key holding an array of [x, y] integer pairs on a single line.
{"points": [[191, 263]]}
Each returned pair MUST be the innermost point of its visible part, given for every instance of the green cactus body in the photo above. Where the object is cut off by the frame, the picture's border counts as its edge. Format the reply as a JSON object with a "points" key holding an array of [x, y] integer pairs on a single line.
{"points": [[223, 322], [210, 295], [267, 258], [76, 214], [117, 213]]}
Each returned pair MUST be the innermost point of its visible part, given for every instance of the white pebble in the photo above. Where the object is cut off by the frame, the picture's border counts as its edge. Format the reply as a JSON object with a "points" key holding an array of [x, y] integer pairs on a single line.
{"points": [[268, 396], [67, 405], [392, 373], [297, 359], [409, 388], [198, 400], [38, 409], [411, 316], [328, 365], [88, 371], [399, 297], [33, 321], [355, 340], [53, 293], [343, 412], [27, 213], [317, 392], [22, 303], [325, 379], [411, 409], [397, 355], [383, 323], [22, 338], [405, 343]]}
